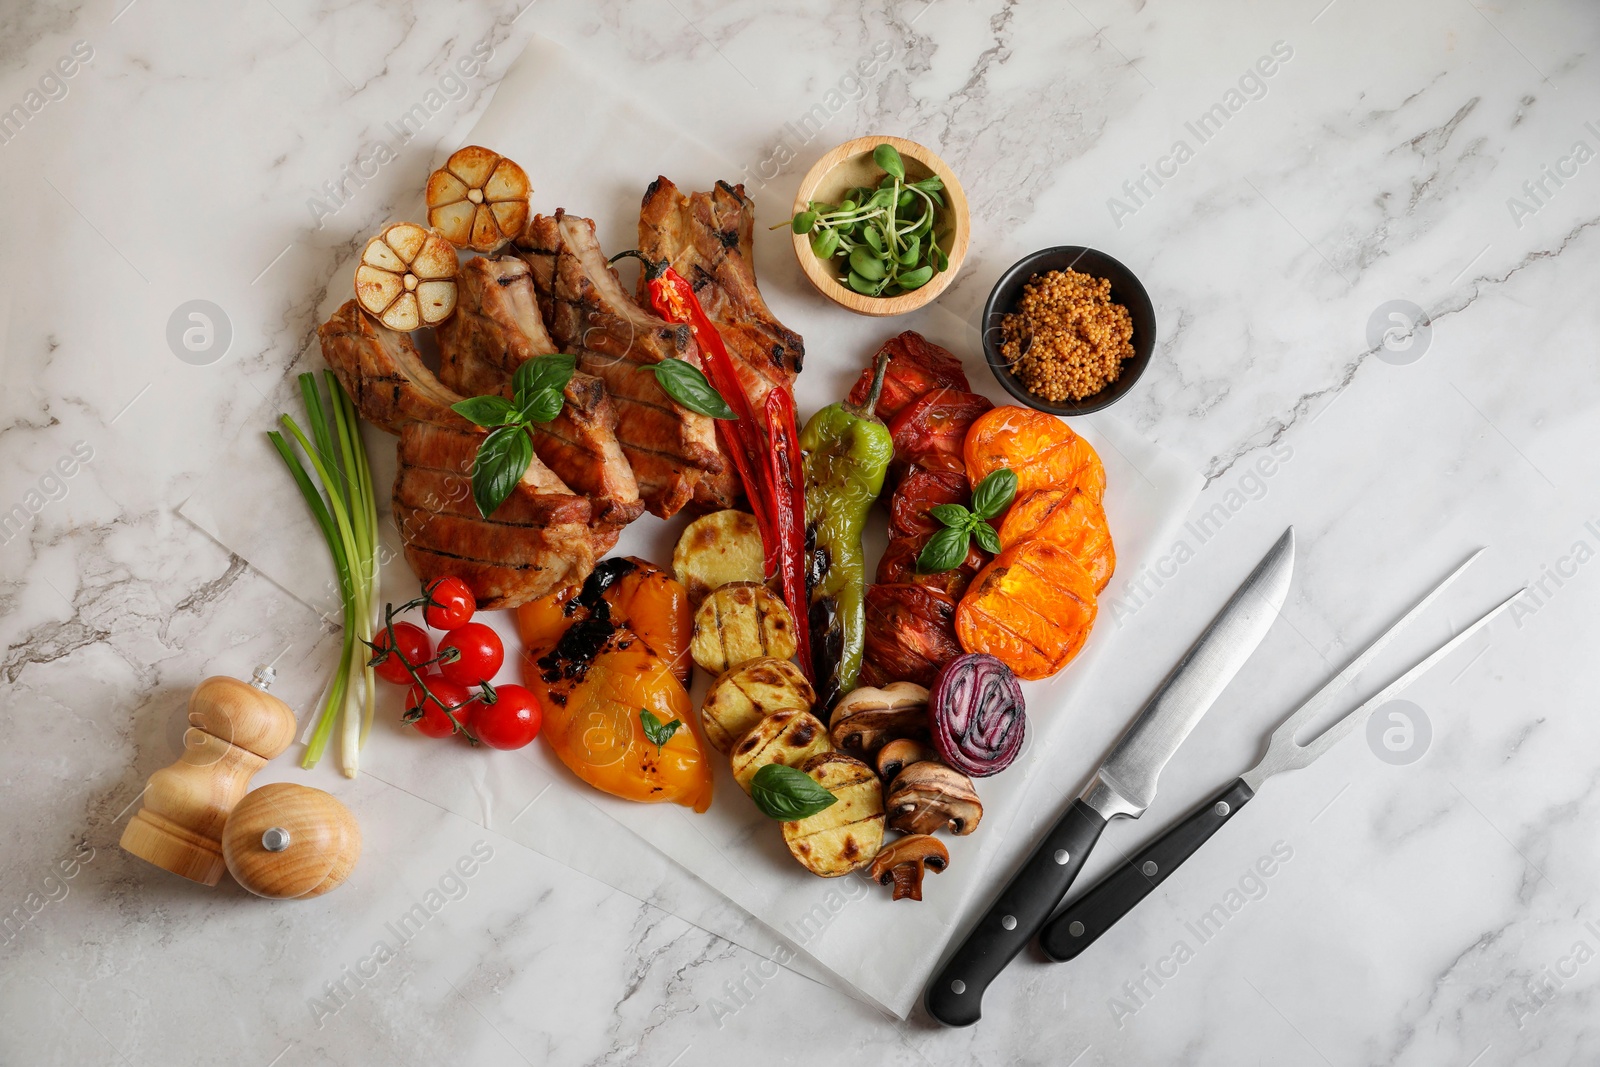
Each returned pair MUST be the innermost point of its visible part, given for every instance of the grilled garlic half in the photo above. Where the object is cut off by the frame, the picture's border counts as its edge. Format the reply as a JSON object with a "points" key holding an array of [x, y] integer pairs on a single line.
{"points": [[407, 277], [478, 199]]}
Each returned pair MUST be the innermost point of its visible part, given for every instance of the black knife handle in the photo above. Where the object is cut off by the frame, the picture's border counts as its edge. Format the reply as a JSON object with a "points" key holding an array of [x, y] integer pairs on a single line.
{"points": [[955, 996], [1092, 914]]}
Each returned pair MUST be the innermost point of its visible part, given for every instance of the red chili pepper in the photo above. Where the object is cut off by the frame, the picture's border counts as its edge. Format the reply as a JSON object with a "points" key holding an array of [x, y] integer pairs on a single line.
{"points": [[745, 441], [789, 514]]}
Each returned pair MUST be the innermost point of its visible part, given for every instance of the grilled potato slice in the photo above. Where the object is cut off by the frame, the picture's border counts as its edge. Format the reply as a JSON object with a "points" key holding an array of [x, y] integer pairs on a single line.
{"points": [[717, 549], [788, 737], [844, 836], [749, 692], [738, 622]]}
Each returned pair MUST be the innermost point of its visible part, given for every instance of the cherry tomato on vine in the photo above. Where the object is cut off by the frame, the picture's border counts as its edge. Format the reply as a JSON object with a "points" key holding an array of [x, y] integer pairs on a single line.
{"points": [[411, 642], [434, 722], [480, 654], [511, 721], [451, 604]]}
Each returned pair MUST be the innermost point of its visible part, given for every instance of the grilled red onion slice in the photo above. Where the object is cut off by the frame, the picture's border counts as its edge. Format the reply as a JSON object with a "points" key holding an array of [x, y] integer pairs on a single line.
{"points": [[977, 714]]}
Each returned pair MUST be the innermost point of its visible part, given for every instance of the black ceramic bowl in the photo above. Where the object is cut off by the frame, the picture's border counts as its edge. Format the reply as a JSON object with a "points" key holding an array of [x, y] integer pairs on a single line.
{"points": [[1125, 290]]}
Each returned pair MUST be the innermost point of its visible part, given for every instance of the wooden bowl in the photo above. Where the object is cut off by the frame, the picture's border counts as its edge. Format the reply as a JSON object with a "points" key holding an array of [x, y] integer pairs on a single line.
{"points": [[850, 165]]}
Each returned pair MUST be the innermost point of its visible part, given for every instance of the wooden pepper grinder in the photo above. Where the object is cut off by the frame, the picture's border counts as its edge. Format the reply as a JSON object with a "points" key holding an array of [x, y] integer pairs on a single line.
{"points": [[290, 842], [234, 729]]}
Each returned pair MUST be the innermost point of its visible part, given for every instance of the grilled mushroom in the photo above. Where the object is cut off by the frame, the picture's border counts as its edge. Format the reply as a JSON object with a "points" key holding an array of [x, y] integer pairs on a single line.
{"points": [[929, 796], [901, 753], [901, 864], [866, 719]]}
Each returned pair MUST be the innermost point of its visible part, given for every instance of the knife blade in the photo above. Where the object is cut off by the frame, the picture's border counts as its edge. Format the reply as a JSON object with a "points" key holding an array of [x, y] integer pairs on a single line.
{"points": [[1083, 921], [1124, 786]]}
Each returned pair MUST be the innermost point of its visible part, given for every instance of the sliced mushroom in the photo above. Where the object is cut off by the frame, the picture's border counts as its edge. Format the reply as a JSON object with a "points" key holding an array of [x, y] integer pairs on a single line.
{"points": [[929, 796], [901, 753], [901, 864], [867, 719]]}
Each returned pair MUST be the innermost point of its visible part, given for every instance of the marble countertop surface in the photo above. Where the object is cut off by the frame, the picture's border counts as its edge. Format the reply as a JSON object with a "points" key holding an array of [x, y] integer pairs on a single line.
{"points": [[1372, 235]]}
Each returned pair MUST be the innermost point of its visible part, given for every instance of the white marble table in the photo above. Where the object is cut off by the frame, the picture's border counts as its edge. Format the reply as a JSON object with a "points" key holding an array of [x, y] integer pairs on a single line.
{"points": [[1276, 173]]}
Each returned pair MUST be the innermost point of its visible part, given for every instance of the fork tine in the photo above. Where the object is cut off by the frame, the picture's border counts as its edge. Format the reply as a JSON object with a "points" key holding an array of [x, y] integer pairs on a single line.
{"points": [[1335, 685], [1358, 715]]}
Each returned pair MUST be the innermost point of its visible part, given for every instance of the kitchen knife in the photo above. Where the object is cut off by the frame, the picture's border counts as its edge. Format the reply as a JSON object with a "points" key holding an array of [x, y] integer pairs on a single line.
{"points": [[1092, 914], [1124, 785]]}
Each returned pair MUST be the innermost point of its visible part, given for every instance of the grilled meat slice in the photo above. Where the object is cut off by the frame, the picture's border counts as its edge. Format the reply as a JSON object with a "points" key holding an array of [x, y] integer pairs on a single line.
{"points": [[383, 372], [538, 541], [706, 237], [591, 315], [496, 328]]}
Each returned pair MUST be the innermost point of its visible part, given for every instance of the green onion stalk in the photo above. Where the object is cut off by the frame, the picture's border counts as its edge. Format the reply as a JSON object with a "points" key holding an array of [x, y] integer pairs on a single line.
{"points": [[346, 511]]}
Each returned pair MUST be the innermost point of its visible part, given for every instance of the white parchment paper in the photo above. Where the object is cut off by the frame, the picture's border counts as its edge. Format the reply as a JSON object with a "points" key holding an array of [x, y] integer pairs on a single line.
{"points": [[727, 870]]}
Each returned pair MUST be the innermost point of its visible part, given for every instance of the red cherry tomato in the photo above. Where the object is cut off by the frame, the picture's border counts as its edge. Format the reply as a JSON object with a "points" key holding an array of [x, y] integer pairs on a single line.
{"points": [[451, 604], [411, 642], [511, 721], [480, 654], [434, 722]]}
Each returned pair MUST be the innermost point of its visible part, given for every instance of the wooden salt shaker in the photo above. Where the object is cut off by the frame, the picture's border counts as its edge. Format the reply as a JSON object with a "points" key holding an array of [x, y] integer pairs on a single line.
{"points": [[234, 729], [290, 842]]}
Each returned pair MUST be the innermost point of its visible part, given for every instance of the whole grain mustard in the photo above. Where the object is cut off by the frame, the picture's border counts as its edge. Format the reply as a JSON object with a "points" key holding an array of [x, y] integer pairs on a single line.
{"points": [[1079, 338]]}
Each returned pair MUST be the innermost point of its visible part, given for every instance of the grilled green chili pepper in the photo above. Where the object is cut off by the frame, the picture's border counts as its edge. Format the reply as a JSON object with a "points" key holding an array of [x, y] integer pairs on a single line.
{"points": [[848, 449]]}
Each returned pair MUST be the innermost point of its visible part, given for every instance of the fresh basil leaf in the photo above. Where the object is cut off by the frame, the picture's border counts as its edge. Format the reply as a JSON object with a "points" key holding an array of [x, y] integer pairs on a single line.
{"points": [[658, 733], [684, 383], [782, 792], [542, 372], [951, 515], [915, 279], [944, 551], [502, 460], [487, 411], [887, 158], [987, 539], [994, 493], [541, 406]]}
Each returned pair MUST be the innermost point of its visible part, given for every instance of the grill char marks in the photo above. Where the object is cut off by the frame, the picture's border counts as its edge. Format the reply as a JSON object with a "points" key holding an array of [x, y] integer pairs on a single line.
{"points": [[496, 328], [707, 238], [590, 314], [538, 537], [537, 542]]}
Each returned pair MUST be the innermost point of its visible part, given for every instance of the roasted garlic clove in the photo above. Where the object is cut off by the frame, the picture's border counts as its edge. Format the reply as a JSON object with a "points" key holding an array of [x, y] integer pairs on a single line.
{"points": [[407, 278], [902, 862], [478, 199]]}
